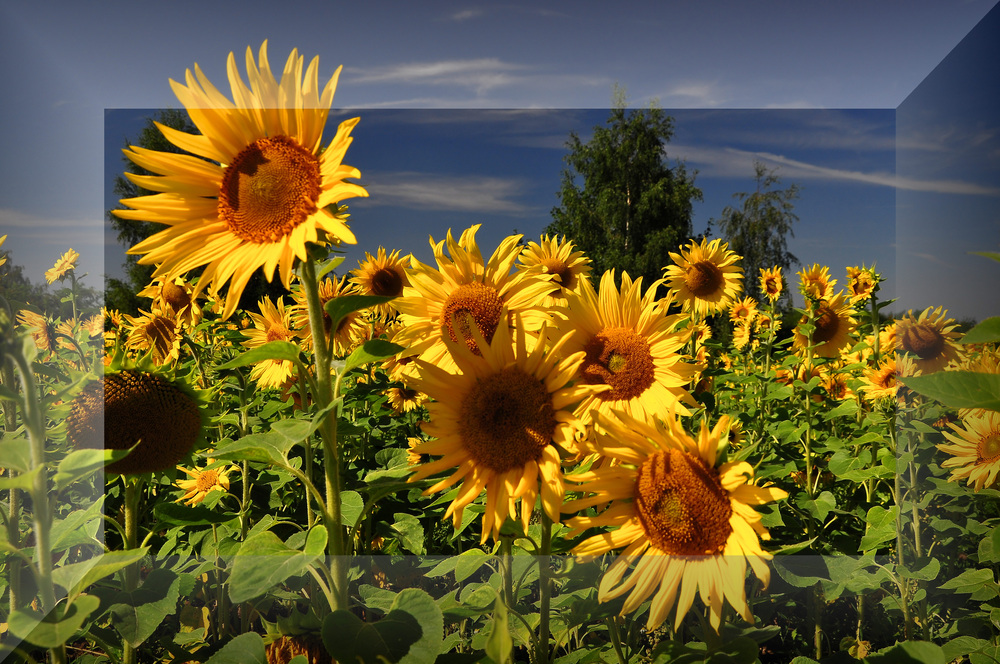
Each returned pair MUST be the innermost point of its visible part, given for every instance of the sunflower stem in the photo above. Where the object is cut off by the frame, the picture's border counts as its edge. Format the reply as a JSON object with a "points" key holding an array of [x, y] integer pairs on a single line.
{"points": [[544, 588], [616, 638], [897, 495], [14, 504], [131, 572], [324, 396]]}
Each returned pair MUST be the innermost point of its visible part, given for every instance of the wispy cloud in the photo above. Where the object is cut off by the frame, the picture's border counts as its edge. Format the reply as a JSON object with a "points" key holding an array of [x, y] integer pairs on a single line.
{"points": [[447, 193], [481, 74], [50, 230], [731, 162], [694, 94], [466, 14]]}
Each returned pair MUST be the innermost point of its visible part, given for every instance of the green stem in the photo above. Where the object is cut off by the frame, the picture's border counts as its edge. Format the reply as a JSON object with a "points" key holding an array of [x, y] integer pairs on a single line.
{"points": [[544, 588], [130, 655], [897, 495], [14, 504], [616, 638]]}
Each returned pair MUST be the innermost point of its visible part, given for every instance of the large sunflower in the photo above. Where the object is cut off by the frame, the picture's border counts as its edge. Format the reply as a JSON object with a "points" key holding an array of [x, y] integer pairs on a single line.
{"points": [[705, 277], [974, 449], [463, 293], [256, 188], [631, 345], [558, 258], [498, 423], [930, 337], [688, 525]]}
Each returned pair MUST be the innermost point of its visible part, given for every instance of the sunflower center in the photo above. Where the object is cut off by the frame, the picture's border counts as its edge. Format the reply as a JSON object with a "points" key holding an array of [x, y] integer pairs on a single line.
{"points": [[988, 447], [386, 282], [559, 268], [923, 340], [827, 323], [618, 357], [175, 296], [703, 278], [507, 419], [471, 304], [207, 479], [271, 187], [682, 505], [277, 333]]}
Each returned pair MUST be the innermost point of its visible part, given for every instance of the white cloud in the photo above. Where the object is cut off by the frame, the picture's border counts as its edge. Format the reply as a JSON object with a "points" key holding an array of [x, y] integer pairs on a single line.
{"points": [[482, 74], [466, 14], [446, 193], [49, 230]]}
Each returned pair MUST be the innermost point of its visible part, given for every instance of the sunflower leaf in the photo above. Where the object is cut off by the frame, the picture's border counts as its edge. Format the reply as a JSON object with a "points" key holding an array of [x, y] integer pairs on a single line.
{"points": [[985, 332], [56, 628], [263, 562], [244, 649], [371, 351], [339, 307], [959, 389], [272, 350], [81, 463]]}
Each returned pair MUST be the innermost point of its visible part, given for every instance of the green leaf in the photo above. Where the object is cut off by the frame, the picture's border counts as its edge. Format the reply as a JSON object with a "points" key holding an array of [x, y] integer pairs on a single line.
{"points": [[56, 628], [23, 480], [316, 541], [986, 332], [185, 515], [988, 254], [413, 626], [15, 453], [138, 613], [272, 350], [351, 508], [881, 527], [909, 652], [818, 507], [261, 447], [846, 408], [801, 571], [499, 644], [372, 350], [244, 649], [341, 306], [962, 646], [970, 581], [77, 576], [80, 463], [421, 606], [410, 533], [263, 562], [959, 389], [469, 562]]}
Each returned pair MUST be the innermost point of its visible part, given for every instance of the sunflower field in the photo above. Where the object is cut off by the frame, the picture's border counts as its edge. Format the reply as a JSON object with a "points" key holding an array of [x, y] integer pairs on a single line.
{"points": [[498, 457]]}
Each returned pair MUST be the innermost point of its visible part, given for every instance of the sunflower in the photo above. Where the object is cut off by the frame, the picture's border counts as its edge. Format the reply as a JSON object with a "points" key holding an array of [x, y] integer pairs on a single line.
{"points": [[383, 275], [688, 525], [499, 424], [158, 333], [833, 321], [62, 267], [930, 337], [3, 259], [630, 345], [403, 400], [771, 282], [836, 387], [351, 328], [741, 336], [815, 281], [273, 323], [743, 311], [557, 258], [861, 283], [176, 297], [41, 329], [974, 449], [256, 188], [463, 293], [203, 481], [705, 277]]}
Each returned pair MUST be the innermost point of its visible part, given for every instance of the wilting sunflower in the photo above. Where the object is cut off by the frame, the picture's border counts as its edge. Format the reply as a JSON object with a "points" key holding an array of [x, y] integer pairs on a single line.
{"points": [[273, 323], [771, 282], [930, 337], [629, 344], [705, 278], [974, 449], [556, 257], [688, 525], [62, 267], [351, 328], [815, 281], [176, 297], [499, 424], [155, 332], [140, 404], [203, 482], [833, 321], [270, 191], [465, 293], [381, 275]]}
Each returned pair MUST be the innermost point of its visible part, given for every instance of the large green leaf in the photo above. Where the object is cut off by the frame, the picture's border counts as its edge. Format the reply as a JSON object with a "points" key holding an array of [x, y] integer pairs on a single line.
{"points": [[881, 527], [263, 562], [272, 350], [339, 307], [909, 652], [81, 463], [244, 649], [56, 628], [138, 613], [75, 577], [411, 633], [372, 350], [190, 515], [985, 332], [959, 389]]}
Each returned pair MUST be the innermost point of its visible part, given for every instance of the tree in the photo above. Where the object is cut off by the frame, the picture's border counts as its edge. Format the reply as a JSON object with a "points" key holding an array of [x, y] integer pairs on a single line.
{"points": [[621, 201], [756, 229]]}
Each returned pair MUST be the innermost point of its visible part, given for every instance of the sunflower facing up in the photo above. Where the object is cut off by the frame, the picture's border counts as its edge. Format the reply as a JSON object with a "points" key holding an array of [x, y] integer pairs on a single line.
{"points": [[157, 332], [499, 424], [630, 345], [270, 191], [930, 338], [705, 278], [861, 282], [743, 311], [687, 524], [464, 293], [556, 256]]}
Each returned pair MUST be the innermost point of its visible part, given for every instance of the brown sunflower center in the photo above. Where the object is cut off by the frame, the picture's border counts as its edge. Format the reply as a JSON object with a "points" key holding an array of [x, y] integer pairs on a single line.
{"points": [[507, 419], [827, 323], [703, 278], [618, 357], [772, 285], [922, 340], [277, 333], [988, 447], [471, 304], [681, 504], [175, 296], [386, 282], [271, 187], [558, 267]]}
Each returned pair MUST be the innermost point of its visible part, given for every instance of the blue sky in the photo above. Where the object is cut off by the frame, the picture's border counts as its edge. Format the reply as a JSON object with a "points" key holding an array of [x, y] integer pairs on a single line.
{"points": [[798, 64]]}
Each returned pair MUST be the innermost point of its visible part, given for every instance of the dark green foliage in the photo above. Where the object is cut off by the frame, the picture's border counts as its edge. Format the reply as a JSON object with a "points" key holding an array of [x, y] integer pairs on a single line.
{"points": [[621, 201], [756, 229]]}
